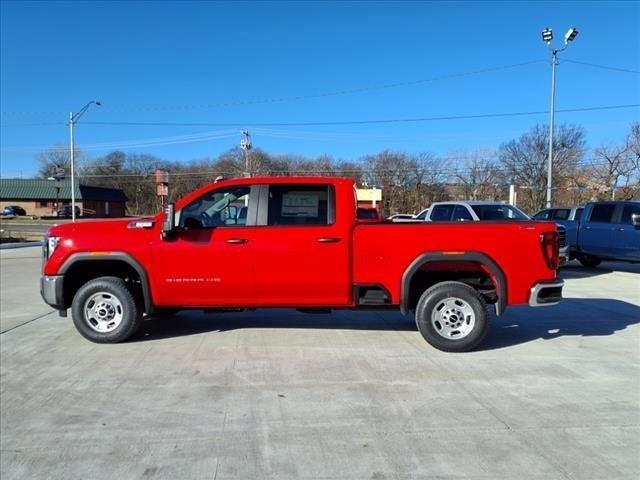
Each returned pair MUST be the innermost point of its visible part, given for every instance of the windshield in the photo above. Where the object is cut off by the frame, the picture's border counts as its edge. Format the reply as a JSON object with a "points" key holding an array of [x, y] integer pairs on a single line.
{"points": [[498, 212]]}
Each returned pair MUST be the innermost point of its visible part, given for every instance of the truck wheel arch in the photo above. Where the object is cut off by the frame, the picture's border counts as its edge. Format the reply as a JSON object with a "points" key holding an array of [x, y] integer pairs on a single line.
{"points": [[498, 276], [91, 258]]}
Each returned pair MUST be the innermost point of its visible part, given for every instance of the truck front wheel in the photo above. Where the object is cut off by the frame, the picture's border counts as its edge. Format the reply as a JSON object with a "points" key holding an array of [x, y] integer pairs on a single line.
{"points": [[105, 311], [452, 317]]}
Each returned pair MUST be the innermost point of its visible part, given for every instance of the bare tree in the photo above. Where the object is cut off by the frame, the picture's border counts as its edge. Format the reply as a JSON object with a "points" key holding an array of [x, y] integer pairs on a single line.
{"points": [[478, 173], [524, 161], [57, 155], [612, 169]]}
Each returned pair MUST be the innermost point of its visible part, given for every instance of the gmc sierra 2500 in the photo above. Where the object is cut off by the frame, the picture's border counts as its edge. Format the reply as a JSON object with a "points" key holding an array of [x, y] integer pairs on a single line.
{"points": [[295, 242]]}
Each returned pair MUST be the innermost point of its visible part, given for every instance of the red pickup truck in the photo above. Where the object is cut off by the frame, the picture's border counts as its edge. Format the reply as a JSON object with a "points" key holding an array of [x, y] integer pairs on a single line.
{"points": [[295, 242]]}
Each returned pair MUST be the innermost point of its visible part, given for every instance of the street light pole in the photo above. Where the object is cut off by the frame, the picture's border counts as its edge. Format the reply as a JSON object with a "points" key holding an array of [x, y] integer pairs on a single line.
{"points": [[73, 119], [547, 37], [552, 112]]}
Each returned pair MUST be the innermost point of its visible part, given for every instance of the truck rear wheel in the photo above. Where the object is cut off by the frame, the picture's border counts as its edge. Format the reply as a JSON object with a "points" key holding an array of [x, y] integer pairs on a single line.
{"points": [[105, 311], [452, 317], [589, 261]]}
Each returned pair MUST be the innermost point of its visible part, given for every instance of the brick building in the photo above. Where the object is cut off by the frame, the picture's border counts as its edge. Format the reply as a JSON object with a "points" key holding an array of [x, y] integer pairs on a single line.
{"points": [[39, 197]]}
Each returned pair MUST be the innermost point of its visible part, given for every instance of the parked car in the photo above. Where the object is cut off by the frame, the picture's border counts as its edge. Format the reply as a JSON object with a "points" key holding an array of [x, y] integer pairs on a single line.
{"points": [[13, 211], [407, 217], [608, 231], [65, 211], [568, 217], [309, 252], [488, 211], [402, 217], [422, 215]]}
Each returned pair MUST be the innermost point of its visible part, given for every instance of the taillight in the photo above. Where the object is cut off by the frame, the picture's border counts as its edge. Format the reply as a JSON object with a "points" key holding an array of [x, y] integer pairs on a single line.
{"points": [[551, 249]]}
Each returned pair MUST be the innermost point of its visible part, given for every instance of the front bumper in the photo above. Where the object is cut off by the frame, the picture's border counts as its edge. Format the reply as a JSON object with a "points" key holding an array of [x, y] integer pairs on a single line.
{"points": [[563, 255], [545, 294], [52, 291]]}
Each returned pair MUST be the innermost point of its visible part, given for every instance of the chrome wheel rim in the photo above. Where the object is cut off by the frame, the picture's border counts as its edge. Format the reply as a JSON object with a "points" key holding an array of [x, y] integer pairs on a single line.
{"points": [[103, 312], [453, 318]]}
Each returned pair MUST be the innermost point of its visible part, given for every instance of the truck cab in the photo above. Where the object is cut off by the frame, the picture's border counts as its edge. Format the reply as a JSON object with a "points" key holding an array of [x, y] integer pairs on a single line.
{"points": [[608, 231]]}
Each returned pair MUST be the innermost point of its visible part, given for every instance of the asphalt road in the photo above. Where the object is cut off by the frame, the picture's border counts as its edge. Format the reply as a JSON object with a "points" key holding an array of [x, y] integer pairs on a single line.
{"points": [[555, 393]]}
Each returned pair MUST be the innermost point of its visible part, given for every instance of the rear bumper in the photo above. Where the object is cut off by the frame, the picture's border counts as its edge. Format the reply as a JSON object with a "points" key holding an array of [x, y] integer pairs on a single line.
{"points": [[546, 293], [51, 291]]}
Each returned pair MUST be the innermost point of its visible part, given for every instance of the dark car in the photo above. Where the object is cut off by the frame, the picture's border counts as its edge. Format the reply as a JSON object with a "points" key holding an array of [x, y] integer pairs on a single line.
{"points": [[609, 231], [65, 211], [13, 211], [569, 217]]}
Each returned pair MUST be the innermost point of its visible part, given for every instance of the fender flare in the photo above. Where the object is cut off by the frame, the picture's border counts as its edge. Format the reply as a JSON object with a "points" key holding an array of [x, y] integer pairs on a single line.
{"points": [[111, 256], [430, 257]]}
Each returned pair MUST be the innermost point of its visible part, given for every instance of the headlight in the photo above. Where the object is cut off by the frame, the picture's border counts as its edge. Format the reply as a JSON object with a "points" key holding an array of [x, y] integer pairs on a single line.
{"points": [[52, 244]]}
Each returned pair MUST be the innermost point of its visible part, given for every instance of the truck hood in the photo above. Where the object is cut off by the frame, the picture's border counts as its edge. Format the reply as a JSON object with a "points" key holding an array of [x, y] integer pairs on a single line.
{"points": [[109, 226]]}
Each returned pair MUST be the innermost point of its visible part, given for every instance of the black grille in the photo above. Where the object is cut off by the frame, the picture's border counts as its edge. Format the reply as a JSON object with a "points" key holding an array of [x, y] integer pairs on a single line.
{"points": [[562, 237]]}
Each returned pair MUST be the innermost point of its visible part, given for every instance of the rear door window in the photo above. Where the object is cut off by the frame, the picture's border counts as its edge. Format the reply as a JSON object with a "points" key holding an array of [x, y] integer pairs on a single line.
{"points": [[627, 211], [442, 213], [543, 215], [602, 213], [561, 214], [300, 205], [461, 213]]}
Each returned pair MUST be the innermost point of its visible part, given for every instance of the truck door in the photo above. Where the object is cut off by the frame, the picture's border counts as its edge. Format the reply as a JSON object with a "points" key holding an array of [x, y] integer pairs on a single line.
{"points": [[301, 247], [596, 233], [207, 262], [626, 237]]}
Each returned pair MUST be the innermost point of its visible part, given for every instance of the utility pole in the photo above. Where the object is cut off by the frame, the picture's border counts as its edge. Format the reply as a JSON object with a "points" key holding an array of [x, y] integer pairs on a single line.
{"points": [[73, 176], [547, 37], [245, 144], [73, 119]]}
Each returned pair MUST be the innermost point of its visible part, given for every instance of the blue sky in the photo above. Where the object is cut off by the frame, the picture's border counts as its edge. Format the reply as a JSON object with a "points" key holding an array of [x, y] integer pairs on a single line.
{"points": [[196, 62]]}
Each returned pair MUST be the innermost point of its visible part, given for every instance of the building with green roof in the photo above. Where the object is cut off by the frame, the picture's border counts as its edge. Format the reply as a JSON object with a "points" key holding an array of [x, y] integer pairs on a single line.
{"points": [[43, 197]]}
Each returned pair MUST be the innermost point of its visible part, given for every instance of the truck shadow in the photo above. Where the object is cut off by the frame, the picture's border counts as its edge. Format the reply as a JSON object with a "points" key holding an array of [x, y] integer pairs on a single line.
{"points": [[583, 317], [192, 322], [573, 317], [574, 270]]}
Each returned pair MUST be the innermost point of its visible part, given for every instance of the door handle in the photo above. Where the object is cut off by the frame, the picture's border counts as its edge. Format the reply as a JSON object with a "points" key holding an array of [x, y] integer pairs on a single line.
{"points": [[328, 240], [620, 229], [236, 241], [587, 228]]}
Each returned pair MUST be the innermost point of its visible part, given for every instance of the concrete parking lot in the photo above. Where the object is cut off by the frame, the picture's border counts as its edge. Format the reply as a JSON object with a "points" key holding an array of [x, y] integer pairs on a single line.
{"points": [[554, 393]]}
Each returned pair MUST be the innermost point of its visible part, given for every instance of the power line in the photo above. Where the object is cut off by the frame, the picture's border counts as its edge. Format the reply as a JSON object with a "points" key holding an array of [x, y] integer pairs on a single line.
{"points": [[589, 162], [342, 122], [293, 98], [365, 122], [604, 67]]}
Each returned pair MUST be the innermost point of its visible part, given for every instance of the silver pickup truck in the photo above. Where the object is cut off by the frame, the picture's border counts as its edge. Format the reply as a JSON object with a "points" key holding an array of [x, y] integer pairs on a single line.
{"points": [[477, 211]]}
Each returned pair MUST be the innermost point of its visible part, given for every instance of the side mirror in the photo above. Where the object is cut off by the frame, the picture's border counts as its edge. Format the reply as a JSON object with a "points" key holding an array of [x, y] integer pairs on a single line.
{"points": [[168, 224], [635, 219]]}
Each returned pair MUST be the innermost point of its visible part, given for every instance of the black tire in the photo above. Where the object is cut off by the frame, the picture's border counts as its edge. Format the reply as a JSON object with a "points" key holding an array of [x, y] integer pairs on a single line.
{"points": [[110, 289], [470, 304], [589, 261]]}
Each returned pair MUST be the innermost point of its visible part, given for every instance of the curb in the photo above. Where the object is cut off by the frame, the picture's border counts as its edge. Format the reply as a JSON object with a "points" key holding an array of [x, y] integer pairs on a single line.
{"points": [[9, 246]]}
